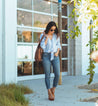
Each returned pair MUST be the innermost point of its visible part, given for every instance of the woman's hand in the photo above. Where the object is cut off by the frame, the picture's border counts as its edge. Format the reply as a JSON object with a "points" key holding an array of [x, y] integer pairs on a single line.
{"points": [[56, 54], [45, 34]]}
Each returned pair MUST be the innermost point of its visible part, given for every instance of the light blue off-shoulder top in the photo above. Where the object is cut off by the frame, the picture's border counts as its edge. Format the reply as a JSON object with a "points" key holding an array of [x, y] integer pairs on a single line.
{"points": [[51, 46]]}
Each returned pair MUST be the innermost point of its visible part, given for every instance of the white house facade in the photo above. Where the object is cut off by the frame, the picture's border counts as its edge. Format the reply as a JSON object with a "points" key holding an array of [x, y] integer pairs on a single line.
{"points": [[21, 23]]}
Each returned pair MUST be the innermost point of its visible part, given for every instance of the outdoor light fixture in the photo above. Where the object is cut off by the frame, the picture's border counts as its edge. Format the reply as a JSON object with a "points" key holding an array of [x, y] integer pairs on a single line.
{"points": [[48, 2], [94, 56]]}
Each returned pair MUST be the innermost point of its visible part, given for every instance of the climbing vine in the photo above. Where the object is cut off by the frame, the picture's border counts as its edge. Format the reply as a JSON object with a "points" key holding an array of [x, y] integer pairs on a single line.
{"points": [[93, 47], [83, 11], [75, 32]]}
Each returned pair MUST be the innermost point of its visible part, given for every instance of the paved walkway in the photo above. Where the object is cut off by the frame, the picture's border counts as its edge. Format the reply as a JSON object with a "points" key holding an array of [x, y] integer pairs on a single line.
{"points": [[66, 94]]}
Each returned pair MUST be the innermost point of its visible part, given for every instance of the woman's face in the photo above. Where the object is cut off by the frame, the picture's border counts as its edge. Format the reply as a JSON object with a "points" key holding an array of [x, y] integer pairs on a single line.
{"points": [[52, 30]]}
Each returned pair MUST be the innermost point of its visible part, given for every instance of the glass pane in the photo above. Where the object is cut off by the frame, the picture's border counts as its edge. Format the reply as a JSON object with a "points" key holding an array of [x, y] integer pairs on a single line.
{"points": [[64, 66], [24, 18], [64, 24], [24, 68], [34, 50], [64, 39], [41, 20], [38, 68], [64, 10], [26, 4], [55, 19], [42, 6], [64, 51], [36, 36], [24, 35], [24, 52], [55, 8]]}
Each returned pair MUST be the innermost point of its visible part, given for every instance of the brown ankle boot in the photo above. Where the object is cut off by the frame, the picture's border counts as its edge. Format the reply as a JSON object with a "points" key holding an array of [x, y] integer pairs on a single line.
{"points": [[50, 95]]}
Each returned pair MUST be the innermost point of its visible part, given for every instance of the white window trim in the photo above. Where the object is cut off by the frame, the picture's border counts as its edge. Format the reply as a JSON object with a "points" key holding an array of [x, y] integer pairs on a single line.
{"points": [[37, 29]]}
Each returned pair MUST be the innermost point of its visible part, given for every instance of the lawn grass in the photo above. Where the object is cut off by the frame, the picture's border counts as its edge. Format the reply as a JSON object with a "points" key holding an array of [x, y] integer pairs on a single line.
{"points": [[13, 95]]}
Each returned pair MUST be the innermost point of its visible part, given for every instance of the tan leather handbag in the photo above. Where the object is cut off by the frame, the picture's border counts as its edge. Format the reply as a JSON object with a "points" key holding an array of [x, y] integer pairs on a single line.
{"points": [[39, 51]]}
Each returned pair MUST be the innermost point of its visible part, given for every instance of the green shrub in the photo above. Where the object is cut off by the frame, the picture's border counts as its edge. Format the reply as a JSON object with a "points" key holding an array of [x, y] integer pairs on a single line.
{"points": [[13, 95]]}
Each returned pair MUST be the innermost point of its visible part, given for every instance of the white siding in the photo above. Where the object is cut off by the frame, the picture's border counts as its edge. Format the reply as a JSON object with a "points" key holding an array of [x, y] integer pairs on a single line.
{"points": [[9, 41], [0, 41]]}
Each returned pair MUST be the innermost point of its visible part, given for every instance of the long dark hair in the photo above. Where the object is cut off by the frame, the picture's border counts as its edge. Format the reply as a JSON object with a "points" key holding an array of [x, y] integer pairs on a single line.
{"points": [[48, 27]]}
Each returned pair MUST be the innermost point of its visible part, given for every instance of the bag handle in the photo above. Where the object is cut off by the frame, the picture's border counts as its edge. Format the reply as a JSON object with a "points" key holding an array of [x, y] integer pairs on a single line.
{"points": [[42, 38]]}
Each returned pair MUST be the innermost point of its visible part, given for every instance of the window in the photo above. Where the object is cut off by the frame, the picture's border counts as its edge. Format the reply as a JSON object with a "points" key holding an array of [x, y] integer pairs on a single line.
{"points": [[32, 18]]}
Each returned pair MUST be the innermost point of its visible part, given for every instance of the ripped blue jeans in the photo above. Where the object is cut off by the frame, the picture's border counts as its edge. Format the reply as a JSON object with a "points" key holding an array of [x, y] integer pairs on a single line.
{"points": [[46, 66]]}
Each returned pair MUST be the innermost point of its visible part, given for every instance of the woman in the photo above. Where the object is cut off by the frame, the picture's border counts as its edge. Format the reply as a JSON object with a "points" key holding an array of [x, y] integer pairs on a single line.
{"points": [[51, 46]]}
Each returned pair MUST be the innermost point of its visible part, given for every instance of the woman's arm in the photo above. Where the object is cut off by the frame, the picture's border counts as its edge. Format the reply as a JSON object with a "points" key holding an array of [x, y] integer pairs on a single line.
{"points": [[43, 43], [46, 40], [58, 46]]}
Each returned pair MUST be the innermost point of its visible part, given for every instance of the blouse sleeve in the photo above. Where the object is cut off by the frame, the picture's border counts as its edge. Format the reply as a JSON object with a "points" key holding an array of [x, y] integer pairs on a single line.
{"points": [[58, 43], [42, 43]]}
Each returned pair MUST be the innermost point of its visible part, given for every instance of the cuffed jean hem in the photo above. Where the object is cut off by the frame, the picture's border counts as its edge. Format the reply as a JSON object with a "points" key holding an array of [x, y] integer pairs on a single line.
{"points": [[48, 88], [52, 86]]}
